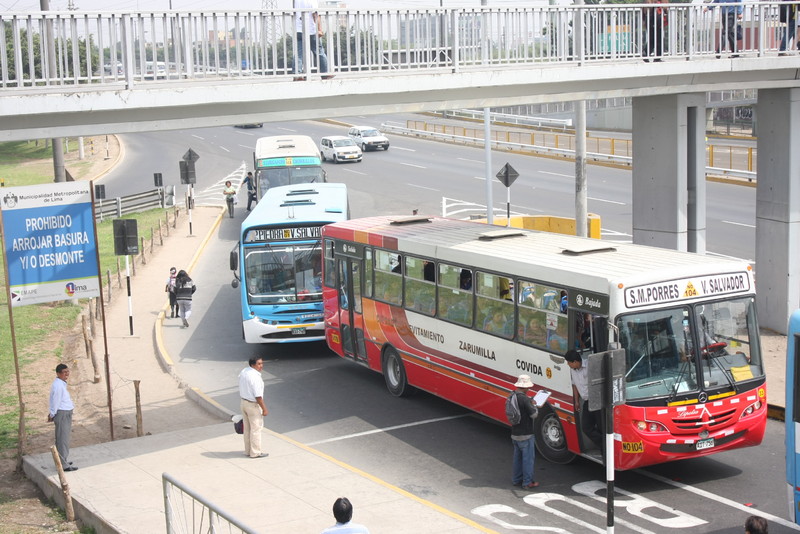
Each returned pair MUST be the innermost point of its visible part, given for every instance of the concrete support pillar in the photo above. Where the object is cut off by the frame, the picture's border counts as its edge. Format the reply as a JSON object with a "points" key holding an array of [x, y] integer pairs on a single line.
{"points": [[778, 207], [669, 193]]}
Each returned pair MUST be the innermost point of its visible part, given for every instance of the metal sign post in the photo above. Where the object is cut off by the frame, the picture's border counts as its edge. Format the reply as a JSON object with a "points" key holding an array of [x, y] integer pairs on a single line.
{"points": [[606, 390], [189, 177], [507, 175]]}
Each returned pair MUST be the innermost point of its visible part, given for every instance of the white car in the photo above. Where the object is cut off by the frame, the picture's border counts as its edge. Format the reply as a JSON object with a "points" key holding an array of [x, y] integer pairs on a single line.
{"points": [[368, 138], [339, 148]]}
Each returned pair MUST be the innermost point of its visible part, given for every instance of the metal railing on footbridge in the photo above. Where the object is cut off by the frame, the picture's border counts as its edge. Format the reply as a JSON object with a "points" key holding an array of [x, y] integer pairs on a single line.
{"points": [[91, 51]]}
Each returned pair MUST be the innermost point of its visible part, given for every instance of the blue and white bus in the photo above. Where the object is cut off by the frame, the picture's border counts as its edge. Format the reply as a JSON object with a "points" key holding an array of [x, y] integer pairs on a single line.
{"points": [[792, 415], [278, 262], [286, 160]]}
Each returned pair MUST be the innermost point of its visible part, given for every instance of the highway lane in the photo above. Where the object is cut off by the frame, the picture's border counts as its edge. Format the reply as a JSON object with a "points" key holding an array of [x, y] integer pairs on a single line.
{"points": [[423, 444]]}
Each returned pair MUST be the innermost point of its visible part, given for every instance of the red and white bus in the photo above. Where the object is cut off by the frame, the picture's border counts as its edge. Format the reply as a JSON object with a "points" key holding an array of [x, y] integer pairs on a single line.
{"points": [[460, 309]]}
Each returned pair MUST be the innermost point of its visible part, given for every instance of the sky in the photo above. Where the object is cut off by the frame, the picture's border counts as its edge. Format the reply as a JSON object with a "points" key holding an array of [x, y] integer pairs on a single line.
{"points": [[232, 5]]}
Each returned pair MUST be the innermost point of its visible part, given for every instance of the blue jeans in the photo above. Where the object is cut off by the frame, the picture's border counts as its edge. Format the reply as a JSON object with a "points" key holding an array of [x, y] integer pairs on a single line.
{"points": [[316, 51], [524, 456]]}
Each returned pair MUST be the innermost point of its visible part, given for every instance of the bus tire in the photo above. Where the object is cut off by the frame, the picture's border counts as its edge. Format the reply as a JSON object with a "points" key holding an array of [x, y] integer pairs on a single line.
{"points": [[394, 373], [550, 438]]}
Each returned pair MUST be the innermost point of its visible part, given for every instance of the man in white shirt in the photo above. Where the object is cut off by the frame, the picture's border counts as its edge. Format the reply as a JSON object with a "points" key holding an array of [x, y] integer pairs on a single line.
{"points": [[251, 391], [313, 28], [343, 512], [591, 424], [61, 407]]}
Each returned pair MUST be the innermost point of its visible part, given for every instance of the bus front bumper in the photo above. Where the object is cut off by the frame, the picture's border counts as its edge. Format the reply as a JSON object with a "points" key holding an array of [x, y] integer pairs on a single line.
{"points": [[256, 331]]}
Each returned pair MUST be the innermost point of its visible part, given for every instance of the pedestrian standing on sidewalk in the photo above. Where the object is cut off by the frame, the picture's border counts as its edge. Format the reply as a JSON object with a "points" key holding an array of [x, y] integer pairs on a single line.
{"points": [[343, 512], [170, 288], [184, 289], [251, 391], [61, 407], [230, 196]]}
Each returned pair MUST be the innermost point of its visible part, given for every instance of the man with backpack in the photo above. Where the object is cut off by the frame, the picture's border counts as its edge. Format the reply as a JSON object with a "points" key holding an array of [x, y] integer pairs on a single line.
{"points": [[521, 412]]}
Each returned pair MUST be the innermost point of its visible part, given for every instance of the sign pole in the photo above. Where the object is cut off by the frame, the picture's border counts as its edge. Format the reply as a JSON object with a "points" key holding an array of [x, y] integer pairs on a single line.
{"points": [[609, 445], [130, 299], [191, 205], [106, 359], [508, 207], [21, 432]]}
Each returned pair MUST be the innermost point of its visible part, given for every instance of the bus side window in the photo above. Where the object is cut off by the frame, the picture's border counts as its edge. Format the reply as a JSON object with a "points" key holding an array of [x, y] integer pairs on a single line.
{"points": [[455, 300], [368, 273], [542, 317], [495, 304], [420, 292], [330, 271], [388, 280]]}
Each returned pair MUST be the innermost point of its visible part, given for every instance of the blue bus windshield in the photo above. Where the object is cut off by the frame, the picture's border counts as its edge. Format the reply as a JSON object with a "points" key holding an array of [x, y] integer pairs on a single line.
{"points": [[280, 176], [283, 273]]}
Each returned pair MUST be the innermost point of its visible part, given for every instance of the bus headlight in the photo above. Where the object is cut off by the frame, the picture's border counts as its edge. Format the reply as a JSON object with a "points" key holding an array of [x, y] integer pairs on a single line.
{"points": [[752, 408], [649, 426]]}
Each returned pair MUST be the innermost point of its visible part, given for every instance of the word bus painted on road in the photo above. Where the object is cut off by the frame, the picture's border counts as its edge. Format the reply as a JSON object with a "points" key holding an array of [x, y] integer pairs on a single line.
{"points": [[286, 160], [460, 309], [279, 262]]}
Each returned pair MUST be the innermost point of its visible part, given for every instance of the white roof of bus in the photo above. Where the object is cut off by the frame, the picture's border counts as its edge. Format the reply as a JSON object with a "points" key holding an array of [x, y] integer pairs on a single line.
{"points": [[541, 255], [286, 145], [299, 203]]}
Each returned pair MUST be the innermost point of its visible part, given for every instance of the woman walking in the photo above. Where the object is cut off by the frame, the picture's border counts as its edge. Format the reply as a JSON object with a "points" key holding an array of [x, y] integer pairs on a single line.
{"points": [[184, 289], [170, 288], [230, 196]]}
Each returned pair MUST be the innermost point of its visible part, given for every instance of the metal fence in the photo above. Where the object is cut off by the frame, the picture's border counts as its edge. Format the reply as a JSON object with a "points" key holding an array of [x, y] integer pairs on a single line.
{"points": [[94, 50], [119, 206], [189, 512]]}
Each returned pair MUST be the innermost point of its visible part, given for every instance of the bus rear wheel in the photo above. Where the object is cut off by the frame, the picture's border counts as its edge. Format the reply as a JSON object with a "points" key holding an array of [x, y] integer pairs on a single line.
{"points": [[395, 374], [550, 438]]}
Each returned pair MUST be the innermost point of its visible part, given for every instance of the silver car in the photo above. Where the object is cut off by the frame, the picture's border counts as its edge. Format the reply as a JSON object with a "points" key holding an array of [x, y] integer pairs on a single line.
{"points": [[339, 148], [368, 138]]}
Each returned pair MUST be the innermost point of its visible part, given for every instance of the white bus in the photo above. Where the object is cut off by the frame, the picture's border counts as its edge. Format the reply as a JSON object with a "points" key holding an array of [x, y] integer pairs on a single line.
{"points": [[286, 160]]}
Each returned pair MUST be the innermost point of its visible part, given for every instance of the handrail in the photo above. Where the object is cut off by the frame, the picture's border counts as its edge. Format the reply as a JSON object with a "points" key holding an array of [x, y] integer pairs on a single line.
{"points": [[94, 51]]}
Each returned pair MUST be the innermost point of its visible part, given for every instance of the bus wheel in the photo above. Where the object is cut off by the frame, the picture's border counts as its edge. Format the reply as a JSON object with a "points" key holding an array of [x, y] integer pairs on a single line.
{"points": [[395, 374], [550, 438]]}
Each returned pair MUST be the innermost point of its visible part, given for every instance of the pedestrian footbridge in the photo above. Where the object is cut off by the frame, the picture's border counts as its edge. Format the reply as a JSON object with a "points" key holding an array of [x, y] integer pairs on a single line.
{"points": [[80, 73]]}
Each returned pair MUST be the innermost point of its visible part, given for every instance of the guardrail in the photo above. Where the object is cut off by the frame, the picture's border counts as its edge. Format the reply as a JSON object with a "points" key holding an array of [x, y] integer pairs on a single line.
{"points": [[162, 197], [507, 118], [625, 161], [187, 511], [90, 51]]}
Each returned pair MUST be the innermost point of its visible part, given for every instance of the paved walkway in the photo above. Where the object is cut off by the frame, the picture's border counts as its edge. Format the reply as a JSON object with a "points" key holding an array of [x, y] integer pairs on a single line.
{"points": [[118, 486]]}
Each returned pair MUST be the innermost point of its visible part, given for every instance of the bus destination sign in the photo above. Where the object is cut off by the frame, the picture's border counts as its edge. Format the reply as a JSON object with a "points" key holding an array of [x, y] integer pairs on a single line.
{"points": [[687, 288], [295, 161], [282, 234]]}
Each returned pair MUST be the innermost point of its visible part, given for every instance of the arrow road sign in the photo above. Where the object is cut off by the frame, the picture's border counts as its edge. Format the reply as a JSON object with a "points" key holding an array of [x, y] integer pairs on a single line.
{"points": [[507, 175]]}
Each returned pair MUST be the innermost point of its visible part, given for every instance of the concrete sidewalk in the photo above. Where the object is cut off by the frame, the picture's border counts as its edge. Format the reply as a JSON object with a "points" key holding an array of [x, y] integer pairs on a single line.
{"points": [[118, 485]]}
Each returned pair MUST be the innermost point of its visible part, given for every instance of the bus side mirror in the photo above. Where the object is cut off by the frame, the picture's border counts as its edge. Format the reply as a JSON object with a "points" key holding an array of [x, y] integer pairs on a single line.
{"points": [[234, 260], [234, 283]]}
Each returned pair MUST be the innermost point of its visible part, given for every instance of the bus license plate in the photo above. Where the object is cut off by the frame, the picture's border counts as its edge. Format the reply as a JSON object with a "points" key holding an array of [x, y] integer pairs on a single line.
{"points": [[705, 444], [301, 331]]}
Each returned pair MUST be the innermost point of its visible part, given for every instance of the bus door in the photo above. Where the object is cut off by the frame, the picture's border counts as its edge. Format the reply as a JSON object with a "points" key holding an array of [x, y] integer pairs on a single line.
{"points": [[351, 316]]}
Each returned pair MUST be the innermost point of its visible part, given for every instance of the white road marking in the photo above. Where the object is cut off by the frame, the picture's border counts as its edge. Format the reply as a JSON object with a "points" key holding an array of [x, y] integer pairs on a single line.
{"points": [[557, 174], [225, 149], [423, 187], [740, 224], [604, 200], [395, 147], [250, 147], [286, 129], [412, 165], [387, 429], [719, 499], [355, 172], [470, 160], [198, 137]]}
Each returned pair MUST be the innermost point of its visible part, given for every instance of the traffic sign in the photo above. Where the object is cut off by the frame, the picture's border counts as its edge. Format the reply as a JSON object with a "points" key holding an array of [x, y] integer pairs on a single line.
{"points": [[191, 155], [507, 175], [600, 394]]}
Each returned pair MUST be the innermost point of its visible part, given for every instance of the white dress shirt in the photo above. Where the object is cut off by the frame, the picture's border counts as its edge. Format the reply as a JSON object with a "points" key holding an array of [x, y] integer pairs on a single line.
{"points": [[251, 384], [59, 397]]}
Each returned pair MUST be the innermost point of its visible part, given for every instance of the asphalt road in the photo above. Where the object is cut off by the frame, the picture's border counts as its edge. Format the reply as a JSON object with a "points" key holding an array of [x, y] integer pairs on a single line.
{"points": [[423, 444]]}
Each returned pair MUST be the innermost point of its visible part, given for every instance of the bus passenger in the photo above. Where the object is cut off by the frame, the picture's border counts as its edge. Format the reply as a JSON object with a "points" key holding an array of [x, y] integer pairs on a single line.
{"points": [[589, 421], [496, 323], [465, 279], [230, 196]]}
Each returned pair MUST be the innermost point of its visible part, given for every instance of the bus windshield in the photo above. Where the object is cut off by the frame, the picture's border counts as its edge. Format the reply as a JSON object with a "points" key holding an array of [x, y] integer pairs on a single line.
{"points": [[283, 273], [278, 176], [689, 348]]}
